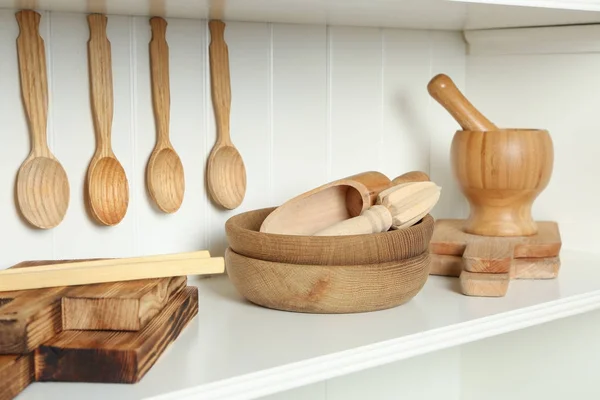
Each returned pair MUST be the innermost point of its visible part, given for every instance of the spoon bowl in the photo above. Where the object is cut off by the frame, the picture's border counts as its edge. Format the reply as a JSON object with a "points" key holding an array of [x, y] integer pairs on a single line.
{"points": [[166, 182], [226, 175], [43, 192], [108, 191]]}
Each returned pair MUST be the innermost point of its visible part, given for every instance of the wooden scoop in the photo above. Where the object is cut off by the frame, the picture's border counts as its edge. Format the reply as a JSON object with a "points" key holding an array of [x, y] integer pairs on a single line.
{"points": [[442, 89], [164, 174], [42, 184], [107, 186], [326, 205], [226, 173]]}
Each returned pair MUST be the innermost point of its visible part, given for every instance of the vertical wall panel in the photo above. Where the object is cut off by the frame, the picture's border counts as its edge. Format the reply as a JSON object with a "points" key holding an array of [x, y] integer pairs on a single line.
{"points": [[17, 237], [356, 100], [249, 61], [448, 57], [406, 61], [299, 109]]}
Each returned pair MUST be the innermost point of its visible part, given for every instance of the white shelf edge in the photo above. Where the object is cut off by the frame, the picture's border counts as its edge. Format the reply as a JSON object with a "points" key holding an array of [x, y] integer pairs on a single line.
{"points": [[580, 5], [545, 40], [279, 379]]}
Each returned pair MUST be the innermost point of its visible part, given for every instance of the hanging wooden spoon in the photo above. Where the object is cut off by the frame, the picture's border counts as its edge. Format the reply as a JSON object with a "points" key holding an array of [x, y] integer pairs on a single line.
{"points": [[42, 184], [107, 186], [164, 174], [445, 92], [226, 173]]}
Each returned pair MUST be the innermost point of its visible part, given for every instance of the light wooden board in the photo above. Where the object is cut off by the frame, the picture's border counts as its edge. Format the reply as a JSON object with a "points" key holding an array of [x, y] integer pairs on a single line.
{"points": [[16, 373], [118, 357], [30, 317], [486, 264]]}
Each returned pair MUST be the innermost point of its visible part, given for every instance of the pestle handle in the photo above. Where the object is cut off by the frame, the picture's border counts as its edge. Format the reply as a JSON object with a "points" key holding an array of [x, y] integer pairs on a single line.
{"points": [[373, 220], [445, 92]]}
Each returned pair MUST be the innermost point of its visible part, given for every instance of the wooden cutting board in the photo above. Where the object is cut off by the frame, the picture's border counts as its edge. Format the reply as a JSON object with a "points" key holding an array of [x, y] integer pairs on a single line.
{"points": [[486, 264], [114, 357], [29, 318]]}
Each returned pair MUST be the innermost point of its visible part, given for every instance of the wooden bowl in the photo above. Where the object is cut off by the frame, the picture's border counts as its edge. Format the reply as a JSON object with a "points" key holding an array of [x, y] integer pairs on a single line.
{"points": [[244, 238], [501, 173], [327, 289]]}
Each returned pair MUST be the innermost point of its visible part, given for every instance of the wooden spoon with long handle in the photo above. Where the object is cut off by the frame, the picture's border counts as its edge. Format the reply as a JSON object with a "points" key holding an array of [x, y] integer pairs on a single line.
{"points": [[445, 92], [107, 186], [226, 172], [164, 173], [42, 185]]}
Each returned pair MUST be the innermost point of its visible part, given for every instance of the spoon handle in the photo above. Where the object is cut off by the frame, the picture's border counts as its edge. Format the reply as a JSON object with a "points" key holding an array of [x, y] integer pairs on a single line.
{"points": [[101, 86], [159, 68], [34, 82], [445, 92], [219, 77]]}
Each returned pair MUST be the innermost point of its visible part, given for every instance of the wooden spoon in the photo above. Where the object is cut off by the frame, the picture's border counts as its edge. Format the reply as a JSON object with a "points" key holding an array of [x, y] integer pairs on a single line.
{"points": [[164, 174], [226, 173], [442, 89], [42, 184], [107, 186]]}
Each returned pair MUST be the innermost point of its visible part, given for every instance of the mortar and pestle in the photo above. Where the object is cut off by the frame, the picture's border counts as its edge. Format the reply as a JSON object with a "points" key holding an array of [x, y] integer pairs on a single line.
{"points": [[500, 171]]}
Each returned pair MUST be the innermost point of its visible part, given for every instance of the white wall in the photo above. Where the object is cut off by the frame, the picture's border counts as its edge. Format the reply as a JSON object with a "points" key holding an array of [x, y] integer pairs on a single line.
{"points": [[310, 104]]}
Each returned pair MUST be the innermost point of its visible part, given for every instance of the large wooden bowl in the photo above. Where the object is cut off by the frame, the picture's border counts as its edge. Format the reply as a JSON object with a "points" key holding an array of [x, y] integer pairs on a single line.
{"points": [[244, 238], [327, 289], [501, 173]]}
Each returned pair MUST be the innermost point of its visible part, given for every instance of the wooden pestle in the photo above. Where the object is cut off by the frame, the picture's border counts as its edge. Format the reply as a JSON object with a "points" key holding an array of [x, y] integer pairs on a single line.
{"points": [[445, 92]]}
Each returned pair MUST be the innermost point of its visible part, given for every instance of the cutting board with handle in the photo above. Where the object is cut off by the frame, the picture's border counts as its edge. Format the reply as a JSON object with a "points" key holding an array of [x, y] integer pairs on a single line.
{"points": [[486, 264], [29, 318]]}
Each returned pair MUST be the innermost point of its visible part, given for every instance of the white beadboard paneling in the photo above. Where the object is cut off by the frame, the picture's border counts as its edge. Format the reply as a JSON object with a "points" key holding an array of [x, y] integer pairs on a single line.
{"points": [[299, 110], [356, 100], [448, 57], [250, 66], [19, 240], [406, 65], [560, 93]]}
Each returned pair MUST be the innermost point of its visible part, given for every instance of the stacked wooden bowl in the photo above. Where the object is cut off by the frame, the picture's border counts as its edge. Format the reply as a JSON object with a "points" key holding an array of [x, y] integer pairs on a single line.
{"points": [[326, 274]]}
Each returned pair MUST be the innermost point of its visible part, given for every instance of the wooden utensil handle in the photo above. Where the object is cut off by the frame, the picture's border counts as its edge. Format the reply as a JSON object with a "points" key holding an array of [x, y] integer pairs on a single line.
{"points": [[412, 176], [159, 68], [101, 85], [442, 89], [34, 82], [375, 219], [219, 76]]}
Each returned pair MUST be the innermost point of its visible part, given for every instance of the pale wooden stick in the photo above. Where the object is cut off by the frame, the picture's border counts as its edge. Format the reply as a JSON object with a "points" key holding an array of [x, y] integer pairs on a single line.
{"points": [[111, 270]]}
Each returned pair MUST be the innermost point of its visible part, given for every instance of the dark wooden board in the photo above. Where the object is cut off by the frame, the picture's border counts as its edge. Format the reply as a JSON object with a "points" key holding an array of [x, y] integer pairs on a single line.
{"points": [[16, 373], [29, 318], [114, 357]]}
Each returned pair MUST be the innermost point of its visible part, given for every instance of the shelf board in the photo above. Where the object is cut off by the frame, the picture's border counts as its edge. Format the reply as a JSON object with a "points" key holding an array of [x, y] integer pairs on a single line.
{"points": [[236, 350], [416, 14]]}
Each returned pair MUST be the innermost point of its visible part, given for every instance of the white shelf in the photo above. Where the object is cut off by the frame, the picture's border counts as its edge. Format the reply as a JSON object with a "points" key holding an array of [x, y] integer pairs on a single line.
{"points": [[418, 14], [236, 350]]}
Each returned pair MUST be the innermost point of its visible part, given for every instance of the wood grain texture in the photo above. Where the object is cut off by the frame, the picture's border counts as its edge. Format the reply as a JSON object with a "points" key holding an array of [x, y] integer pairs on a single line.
{"points": [[226, 172], [489, 256], [484, 285], [107, 188], [245, 239], [326, 205], [501, 173], [110, 270], [521, 268], [327, 289], [411, 176], [42, 186], [373, 220], [164, 172], [445, 92], [114, 357], [16, 373], [125, 306]]}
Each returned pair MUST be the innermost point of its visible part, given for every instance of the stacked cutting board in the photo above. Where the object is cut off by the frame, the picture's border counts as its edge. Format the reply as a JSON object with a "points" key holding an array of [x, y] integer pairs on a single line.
{"points": [[111, 332]]}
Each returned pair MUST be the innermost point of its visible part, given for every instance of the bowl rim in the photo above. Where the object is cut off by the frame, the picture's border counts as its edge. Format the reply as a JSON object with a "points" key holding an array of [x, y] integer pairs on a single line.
{"points": [[413, 229]]}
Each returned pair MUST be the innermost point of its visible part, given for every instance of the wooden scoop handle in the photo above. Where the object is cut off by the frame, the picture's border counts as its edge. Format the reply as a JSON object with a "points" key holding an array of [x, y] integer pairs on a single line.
{"points": [[412, 176], [219, 77], [373, 220], [442, 89], [101, 85], [159, 62], [34, 82]]}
